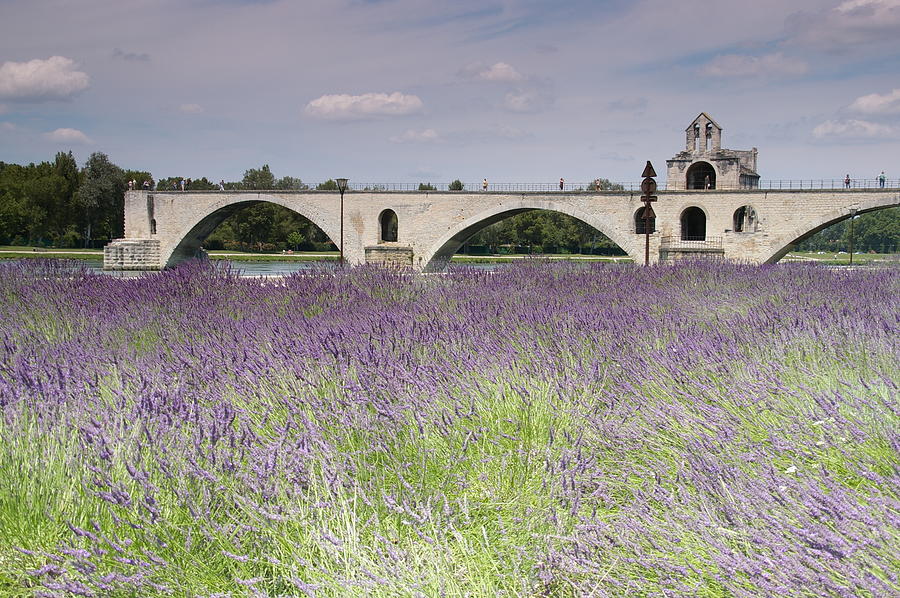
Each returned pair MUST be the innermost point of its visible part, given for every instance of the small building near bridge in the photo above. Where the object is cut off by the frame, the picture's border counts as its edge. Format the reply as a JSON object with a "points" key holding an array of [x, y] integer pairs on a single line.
{"points": [[704, 164]]}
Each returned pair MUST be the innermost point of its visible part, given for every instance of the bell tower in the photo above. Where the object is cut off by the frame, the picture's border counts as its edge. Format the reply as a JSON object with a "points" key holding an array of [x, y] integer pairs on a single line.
{"points": [[704, 164]]}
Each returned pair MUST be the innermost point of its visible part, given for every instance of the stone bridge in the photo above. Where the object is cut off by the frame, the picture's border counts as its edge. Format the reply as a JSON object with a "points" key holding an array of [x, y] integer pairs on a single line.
{"points": [[423, 229]]}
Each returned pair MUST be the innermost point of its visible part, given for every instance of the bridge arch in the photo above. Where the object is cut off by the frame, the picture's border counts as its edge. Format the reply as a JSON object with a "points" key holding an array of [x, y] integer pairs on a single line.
{"points": [[187, 241], [438, 255], [786, 242]]}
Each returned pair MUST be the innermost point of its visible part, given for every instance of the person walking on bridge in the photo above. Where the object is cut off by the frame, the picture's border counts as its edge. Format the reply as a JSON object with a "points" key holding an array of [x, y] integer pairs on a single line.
{"points": [[562, 183], [881, 179], [847, 181], [484, 185]]}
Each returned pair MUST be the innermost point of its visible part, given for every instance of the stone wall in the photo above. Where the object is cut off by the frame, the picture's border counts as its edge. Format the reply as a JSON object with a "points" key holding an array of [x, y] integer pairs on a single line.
{"points": [[433, 225], [132, 254], [390, 255]]}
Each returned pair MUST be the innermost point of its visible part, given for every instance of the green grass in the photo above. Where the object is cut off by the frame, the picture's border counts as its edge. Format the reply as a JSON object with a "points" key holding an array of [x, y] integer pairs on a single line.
{"points": [[30, 249], [842, 259]]}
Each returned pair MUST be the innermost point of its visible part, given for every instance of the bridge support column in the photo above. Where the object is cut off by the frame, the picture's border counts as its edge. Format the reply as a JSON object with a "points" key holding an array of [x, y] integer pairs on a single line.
{"points": [[132, 254], [389, 254]]}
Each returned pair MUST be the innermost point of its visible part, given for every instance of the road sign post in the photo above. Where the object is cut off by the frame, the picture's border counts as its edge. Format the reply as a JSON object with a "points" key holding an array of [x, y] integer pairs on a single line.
{"points": [[648, 188]]}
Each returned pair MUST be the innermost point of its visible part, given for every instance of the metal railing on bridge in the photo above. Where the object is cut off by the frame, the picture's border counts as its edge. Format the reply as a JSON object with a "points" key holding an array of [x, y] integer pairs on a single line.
{"points": [[635, 186], [628, 186]]}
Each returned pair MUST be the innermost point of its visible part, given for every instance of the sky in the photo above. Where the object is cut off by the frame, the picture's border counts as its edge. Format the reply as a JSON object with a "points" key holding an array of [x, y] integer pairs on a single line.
{"points": [[408, 91]]}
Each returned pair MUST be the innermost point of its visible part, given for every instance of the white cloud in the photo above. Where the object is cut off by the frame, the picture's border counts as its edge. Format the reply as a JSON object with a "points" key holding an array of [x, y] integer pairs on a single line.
{"points": [[39, 80], [853, 129], [874, 103], [68, 136], [367, 105], [499, 72], [850, 25], [769, 65], [191, 108], [865, 7], [413, 136]]}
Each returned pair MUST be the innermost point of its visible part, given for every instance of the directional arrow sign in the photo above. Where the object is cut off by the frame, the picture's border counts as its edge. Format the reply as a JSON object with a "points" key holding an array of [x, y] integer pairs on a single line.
{"points": [[648, 170]]}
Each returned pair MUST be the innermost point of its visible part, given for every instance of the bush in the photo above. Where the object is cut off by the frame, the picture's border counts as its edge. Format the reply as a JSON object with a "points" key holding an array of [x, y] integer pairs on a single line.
{"points": [[213, 244], [456, 185]]}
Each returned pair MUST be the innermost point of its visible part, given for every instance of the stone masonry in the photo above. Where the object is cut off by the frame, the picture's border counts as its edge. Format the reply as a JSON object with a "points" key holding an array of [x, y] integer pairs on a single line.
{"points": [[165, 228], [704, 159], [132, 254]]}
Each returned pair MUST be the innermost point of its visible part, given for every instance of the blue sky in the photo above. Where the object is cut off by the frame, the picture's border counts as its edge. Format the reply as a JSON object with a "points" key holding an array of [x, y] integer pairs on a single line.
{"points": [[412, 90]]}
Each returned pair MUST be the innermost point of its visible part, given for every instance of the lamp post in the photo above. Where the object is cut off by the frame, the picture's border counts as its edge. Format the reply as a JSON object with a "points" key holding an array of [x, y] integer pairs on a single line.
{"points": [[342, 186], [852, 217]]}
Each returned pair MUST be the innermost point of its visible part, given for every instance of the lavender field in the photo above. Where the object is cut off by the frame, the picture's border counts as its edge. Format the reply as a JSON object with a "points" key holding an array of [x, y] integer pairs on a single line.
{"points": [[542, 430]]}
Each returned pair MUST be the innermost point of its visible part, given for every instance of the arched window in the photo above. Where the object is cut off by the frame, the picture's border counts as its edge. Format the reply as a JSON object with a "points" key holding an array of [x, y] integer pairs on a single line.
{"points": [[153, 226], [696, 138], [640, 224], [388, 226], [693, 225], [701, 175], [745, 220]]}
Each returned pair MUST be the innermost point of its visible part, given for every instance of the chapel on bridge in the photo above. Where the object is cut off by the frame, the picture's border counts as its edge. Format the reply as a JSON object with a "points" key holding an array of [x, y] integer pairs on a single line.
{"points": [[704, 164]]}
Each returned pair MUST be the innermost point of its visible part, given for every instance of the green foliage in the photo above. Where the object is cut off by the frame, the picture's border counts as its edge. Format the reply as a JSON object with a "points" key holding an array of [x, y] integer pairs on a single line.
{"points": [[267, 224], [456, 185], [138, 176], [541, 231], [875, 231], [53, 203], [427, 187], [328, 185], [261, 178], [169, 183], [36, 200], [295, 239], [605, 185], [100, 198], [202, 184], [289, 183]]}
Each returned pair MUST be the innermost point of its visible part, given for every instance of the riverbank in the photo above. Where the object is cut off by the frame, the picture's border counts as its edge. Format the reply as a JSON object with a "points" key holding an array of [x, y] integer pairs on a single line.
{"points": [[829, 258]]}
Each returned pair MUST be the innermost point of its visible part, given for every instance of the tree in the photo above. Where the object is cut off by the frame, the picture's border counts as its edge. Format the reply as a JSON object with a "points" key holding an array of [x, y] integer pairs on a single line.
{"points": [[289, 183], [874, 231], [427, 187], [13, 203], [328, 185], [456, 185], [295, 239], [65, 213], [202, 184], [261, 178], [138, 176], [100, 197], [605, 185]]}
